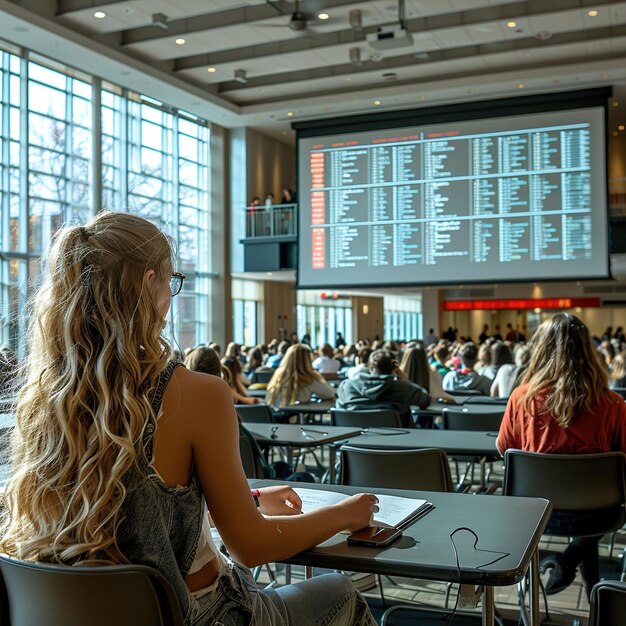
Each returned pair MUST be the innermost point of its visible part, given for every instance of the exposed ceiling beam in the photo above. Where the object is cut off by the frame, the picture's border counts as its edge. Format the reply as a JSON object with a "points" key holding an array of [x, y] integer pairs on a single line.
{"points": [[221, 19], [72, 6], [409, 60], [429, 25]]}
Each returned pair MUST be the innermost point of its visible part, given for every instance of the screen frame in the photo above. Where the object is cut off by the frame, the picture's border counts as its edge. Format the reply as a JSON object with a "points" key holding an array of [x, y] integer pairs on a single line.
{"points": [[459, 112]]}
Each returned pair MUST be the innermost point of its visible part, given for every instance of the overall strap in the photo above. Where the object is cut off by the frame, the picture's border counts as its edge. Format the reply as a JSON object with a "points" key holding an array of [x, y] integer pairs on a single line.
{"points": [[157, 400]]}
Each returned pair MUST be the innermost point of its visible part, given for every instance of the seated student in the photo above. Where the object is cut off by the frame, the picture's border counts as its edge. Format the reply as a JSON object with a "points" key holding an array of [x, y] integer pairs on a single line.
{"points": [[111, 463], [441, 354], [274, 360], [296, 381], [360, 363], [464, 377], [509, 376], [500, 355], [206, 360], [415, 366], [564, 406], [326, 363], [382, 388], [240, 395], [617, 375]]}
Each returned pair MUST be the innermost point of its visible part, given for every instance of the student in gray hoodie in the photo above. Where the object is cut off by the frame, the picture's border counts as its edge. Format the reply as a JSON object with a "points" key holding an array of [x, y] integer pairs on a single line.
{"points": [[466, 378], [381, 387]]}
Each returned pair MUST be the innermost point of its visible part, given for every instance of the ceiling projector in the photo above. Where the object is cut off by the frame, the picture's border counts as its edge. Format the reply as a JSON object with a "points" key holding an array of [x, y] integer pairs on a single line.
{"points": [[390, 38]]}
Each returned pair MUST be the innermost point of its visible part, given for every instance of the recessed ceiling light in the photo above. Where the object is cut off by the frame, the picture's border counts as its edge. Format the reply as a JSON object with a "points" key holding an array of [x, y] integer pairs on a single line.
{"points": [[511, 24], [615, 133], [269, 274], [211, 70], [100, 15], [323, 16], [621, 127], [423, 97], [615, 103], [605, 76], [592, 13], [284, 132], [377, 103], [520, 85], [180, 41], [289, 113]]}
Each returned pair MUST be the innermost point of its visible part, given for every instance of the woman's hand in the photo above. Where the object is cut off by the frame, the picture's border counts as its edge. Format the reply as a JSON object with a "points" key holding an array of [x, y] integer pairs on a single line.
{"points": [[280, 500], [359, 510]]}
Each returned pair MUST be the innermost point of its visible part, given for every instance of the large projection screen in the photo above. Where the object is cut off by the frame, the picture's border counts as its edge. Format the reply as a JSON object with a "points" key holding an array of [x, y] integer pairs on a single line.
{"points": [[516, 198]]}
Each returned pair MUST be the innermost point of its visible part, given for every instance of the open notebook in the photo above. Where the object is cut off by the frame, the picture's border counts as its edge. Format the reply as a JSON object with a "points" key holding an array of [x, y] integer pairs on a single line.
{"points": [[395, 511]]}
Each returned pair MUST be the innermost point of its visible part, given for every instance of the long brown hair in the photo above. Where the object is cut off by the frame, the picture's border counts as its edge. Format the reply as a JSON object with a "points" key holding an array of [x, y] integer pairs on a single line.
{"points": [[294, 372], [564, 365], [415, 365]]}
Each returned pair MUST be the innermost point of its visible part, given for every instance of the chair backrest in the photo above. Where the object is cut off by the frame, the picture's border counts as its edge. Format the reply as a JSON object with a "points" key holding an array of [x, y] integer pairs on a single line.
{"points": [[425, 469], [263, 375], [257, 413], [608, 604], [572, 482], [251, 464], [366, 419], [60, 595], [458, 419], [464, 392]]}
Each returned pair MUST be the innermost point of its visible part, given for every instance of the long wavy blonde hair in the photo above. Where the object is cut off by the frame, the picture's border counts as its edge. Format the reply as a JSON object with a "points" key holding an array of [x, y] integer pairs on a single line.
{"points": [[565, 367], [294, 372], [95, 352]]}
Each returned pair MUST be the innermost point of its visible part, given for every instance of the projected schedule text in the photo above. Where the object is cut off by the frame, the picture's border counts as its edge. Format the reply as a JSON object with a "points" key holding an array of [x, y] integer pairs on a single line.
{"points": [[434, 199]]}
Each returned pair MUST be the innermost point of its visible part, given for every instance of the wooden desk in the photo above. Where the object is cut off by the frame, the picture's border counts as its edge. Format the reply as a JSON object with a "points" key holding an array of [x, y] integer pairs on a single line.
{"points": [[508, 532], [292, 436]]}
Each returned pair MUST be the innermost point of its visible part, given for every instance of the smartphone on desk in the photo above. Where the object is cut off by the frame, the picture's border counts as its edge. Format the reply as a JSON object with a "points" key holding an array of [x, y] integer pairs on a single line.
{"points": [[374, 536]]}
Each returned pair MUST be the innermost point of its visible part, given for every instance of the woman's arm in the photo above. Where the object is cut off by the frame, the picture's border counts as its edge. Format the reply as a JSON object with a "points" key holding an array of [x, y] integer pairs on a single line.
{"points": [[436, 388], [322, 390], [209, 425]]}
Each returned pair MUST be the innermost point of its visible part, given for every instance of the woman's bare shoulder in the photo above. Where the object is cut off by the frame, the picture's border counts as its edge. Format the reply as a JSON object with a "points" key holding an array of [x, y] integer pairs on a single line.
{"points": [[187, 387]]}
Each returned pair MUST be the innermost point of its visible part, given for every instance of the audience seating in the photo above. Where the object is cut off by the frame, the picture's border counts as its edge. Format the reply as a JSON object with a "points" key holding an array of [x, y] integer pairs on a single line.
{"points": [[262, 375], [258, 413], [621, 391], [251, 465], [458, 419], [608, 604], [571, 482], [58, 595], [426, 469], [366, 419]]}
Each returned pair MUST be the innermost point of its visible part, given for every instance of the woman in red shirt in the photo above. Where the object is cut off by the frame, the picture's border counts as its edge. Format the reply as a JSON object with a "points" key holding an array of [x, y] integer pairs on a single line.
{"points": [[565, 407]]}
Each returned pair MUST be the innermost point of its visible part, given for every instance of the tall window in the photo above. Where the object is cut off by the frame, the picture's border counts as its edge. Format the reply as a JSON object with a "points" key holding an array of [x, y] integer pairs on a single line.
{"points": [[403, 319], [322, 319], [246, 296], [153, 161]]}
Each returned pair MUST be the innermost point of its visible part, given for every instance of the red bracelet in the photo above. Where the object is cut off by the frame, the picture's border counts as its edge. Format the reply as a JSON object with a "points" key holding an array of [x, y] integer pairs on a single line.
{"points": [[255, 495]]}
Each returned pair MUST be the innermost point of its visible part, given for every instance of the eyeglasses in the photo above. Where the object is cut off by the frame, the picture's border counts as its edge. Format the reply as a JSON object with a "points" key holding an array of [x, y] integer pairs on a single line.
{"points": [[176, 283]]}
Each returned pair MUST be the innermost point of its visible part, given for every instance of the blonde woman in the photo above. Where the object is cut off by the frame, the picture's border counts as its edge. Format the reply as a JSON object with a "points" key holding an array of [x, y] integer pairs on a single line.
{"points": [[295, 380], [112, 465], [564, 406]]}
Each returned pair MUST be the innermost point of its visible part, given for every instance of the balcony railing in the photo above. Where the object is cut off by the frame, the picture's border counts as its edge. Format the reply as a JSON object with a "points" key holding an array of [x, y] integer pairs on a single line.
{"points": [[276, 220]]}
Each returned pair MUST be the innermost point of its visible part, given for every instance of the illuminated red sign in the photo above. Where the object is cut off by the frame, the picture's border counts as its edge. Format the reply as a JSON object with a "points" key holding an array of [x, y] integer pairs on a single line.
{"points": [[530, 303]]}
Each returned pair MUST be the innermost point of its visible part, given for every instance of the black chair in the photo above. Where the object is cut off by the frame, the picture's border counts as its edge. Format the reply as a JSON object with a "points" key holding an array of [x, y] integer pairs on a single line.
{"points": [[464, 392], [571, 482], [262, 375], [425, 469], [608, 604], [257, 413], [59, 595], [469, 419], [251, 464], [384, 418]]}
